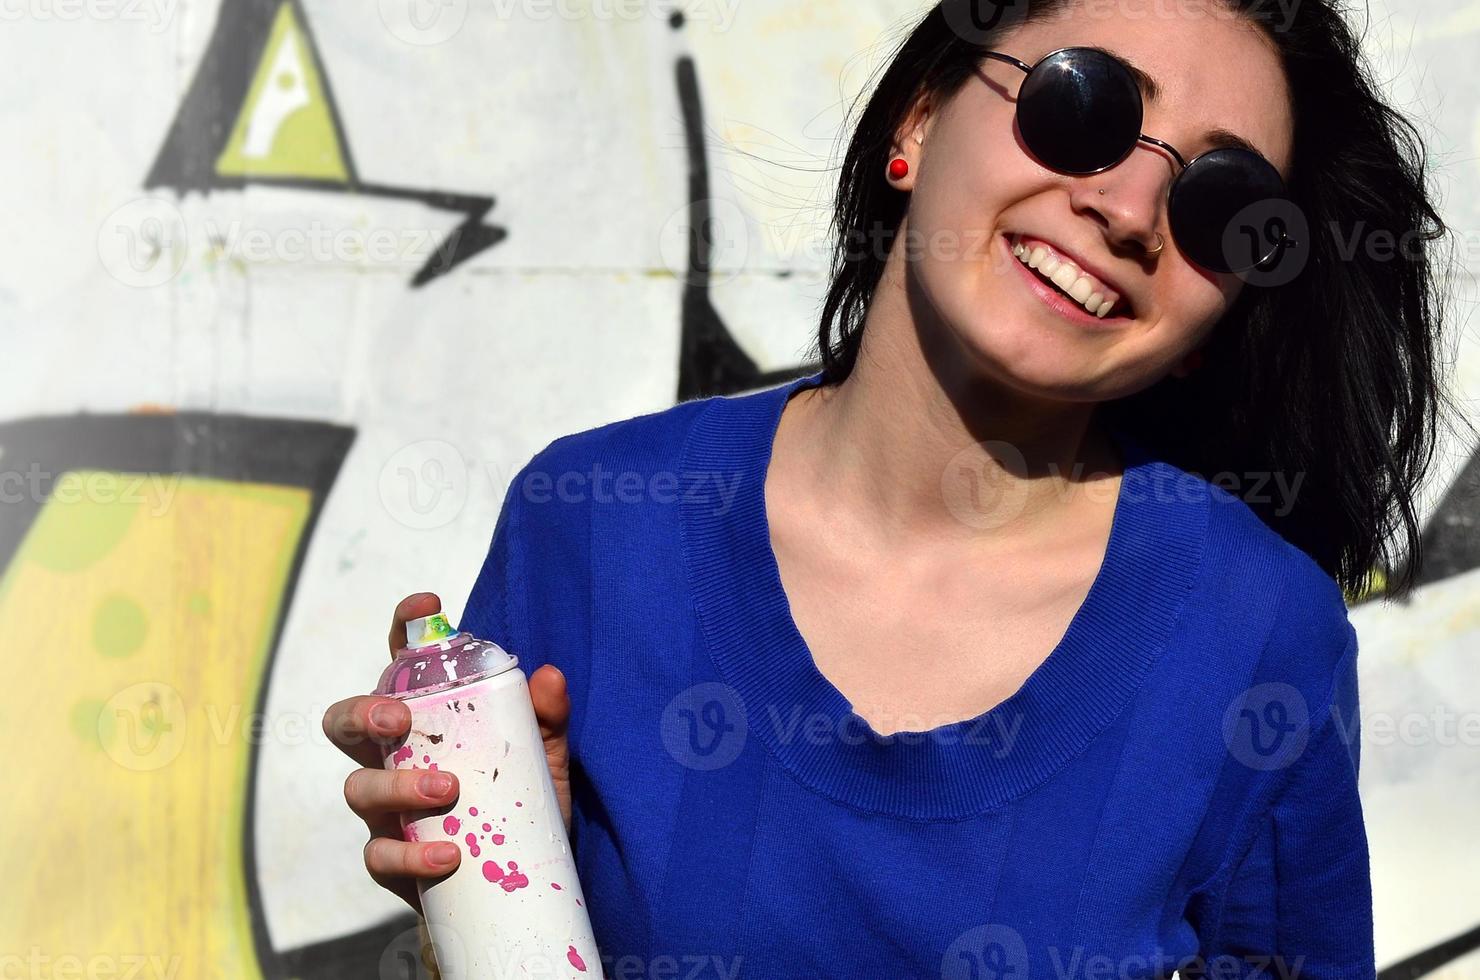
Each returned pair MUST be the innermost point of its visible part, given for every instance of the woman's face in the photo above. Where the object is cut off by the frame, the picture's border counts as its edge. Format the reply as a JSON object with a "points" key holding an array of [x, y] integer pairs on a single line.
{"points": [[976, 190]]}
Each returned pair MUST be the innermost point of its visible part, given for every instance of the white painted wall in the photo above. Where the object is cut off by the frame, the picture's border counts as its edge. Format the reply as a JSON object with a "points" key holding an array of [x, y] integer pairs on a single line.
{"points": [[574, 126]]}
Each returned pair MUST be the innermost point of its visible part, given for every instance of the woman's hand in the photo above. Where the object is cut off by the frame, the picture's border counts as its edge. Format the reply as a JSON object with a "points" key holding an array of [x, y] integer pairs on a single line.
{"points": [[363, 725]]}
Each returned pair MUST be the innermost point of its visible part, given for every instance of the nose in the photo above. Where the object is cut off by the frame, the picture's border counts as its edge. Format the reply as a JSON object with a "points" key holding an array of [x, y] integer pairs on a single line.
{"points": [[1130, 210]]}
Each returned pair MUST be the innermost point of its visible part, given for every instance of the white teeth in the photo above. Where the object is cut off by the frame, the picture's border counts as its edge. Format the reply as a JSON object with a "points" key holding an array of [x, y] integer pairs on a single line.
{"points": [[1083, 289], [1065, 276]]}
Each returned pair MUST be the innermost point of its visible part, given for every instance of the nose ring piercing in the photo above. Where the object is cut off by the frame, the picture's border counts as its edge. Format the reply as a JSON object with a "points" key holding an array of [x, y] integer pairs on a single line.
{"points": [[1160, 242]]}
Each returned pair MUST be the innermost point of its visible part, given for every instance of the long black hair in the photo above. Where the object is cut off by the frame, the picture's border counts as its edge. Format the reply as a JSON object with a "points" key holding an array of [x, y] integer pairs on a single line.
{"points": [[1332, 379]]}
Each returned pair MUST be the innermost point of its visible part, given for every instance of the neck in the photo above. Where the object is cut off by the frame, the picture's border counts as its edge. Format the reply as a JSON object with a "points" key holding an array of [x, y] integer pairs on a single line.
{"points": [[916, 441]]}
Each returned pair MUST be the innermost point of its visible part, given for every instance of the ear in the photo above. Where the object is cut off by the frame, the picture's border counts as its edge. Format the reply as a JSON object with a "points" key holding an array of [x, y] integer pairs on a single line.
{"points": [[909, 142], [917, 123]]}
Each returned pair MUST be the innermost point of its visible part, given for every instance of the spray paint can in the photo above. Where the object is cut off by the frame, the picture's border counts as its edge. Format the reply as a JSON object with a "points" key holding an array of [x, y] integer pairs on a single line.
{"points": [[514, 906]]}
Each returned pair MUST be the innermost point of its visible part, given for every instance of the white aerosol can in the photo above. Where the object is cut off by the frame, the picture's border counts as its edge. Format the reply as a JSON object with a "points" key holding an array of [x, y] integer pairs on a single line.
{"points": [[514, 906]]}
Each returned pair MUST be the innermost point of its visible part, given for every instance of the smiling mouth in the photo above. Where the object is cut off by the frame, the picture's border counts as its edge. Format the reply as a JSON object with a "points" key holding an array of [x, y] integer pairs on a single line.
{"points": [[1075, 286]]}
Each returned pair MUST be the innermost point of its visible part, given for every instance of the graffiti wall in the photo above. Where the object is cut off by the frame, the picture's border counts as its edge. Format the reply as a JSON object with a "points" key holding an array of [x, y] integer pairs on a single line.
{"points": [[294, 287]]}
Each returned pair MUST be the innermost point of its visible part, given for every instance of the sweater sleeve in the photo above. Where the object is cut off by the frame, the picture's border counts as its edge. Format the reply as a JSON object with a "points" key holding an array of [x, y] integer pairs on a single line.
{"points": [[495, 605], [530, 596], [1299, 901]]}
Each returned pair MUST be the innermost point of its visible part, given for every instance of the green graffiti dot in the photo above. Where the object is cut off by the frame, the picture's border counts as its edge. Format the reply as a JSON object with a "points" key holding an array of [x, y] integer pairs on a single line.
{"points": [[91, 723], [83, 521], [199, 604], [119, 626]]}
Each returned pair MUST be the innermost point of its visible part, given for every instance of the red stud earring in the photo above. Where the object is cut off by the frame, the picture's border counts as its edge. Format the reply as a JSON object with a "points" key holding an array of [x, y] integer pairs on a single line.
{"points": [[898, 168]]}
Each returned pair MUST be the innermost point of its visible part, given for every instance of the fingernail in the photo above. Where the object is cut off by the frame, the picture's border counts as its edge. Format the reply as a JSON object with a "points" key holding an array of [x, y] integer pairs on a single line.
{"points": [[436, 784], [384, 717], [443, 853]]}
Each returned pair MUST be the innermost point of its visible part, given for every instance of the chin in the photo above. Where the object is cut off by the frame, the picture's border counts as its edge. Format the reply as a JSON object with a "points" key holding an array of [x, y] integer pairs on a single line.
{"points": [[1040, 370]]}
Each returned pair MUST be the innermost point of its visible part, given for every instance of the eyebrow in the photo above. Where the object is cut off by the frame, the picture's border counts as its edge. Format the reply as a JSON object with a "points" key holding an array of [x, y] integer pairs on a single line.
{"points": [[1217, 138], [1148, 85]]}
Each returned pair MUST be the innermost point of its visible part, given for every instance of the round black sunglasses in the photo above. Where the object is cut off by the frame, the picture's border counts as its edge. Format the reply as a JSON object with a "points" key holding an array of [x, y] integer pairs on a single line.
{"points": [[1079, 110]]}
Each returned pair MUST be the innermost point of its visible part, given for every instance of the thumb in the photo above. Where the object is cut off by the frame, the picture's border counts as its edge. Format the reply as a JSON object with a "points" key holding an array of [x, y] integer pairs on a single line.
{"points": [[547, 690]]}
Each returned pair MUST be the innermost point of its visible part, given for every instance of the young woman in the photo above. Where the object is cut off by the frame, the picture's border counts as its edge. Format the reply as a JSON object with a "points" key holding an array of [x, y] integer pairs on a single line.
{"points": [[1014, 640]]}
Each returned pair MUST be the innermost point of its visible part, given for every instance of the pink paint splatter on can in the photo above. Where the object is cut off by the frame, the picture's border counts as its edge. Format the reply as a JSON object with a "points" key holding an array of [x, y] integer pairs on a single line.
{"points": [[401, 755], [498, 838], [473, 847], [472, 811], [426, 758], [575, 958], [488, 826], [451, 825], [555, 885], [507, 880], [518, 802], [515, 878]]}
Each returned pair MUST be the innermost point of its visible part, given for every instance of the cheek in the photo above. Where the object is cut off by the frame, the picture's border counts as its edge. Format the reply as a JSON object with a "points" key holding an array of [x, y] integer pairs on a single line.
{"points": [[1189, 302], [969, 173], [954, 216]]}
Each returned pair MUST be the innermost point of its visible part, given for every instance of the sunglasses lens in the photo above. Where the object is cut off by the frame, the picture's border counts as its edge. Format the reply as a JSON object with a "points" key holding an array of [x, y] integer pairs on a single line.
{"points": [[1223, 210], [1079, 111]]}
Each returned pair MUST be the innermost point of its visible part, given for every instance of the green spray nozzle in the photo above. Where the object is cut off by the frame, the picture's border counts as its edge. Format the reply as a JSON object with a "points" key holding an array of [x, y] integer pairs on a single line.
{"points": [[429, 630]]}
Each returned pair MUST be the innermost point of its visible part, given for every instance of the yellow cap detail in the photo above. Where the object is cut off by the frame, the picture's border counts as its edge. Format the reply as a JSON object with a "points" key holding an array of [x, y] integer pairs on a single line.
{"points": [[428, 630]]}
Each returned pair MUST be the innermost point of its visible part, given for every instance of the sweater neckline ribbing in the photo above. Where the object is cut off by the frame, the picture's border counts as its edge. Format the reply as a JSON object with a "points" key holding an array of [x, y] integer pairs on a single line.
{"points": [[959, 769]]}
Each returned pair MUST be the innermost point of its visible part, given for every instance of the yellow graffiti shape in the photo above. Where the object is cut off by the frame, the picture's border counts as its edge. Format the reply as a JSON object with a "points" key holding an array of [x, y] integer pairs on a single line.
{"points": [[285, 127], [141, 611]]}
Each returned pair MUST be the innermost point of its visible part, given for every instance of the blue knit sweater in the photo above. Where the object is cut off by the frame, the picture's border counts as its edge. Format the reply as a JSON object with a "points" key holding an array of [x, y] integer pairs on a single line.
{"points": [[1173, 788]]}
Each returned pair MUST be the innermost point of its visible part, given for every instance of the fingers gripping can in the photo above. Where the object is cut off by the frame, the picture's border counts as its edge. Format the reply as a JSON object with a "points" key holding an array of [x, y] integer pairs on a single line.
{"points": [[514, 906]]}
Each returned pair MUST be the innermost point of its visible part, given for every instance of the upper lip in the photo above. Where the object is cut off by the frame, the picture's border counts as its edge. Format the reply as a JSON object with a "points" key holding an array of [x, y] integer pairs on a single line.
{"points": [[1078, 259]]}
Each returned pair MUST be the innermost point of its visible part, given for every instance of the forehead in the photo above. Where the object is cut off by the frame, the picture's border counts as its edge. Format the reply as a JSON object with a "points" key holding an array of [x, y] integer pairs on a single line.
{"points": [[1211, 69]]}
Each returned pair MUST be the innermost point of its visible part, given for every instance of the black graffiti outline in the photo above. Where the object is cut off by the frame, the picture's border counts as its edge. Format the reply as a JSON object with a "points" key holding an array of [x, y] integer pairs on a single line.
{"points": [[186, 160], [710, 360]]}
